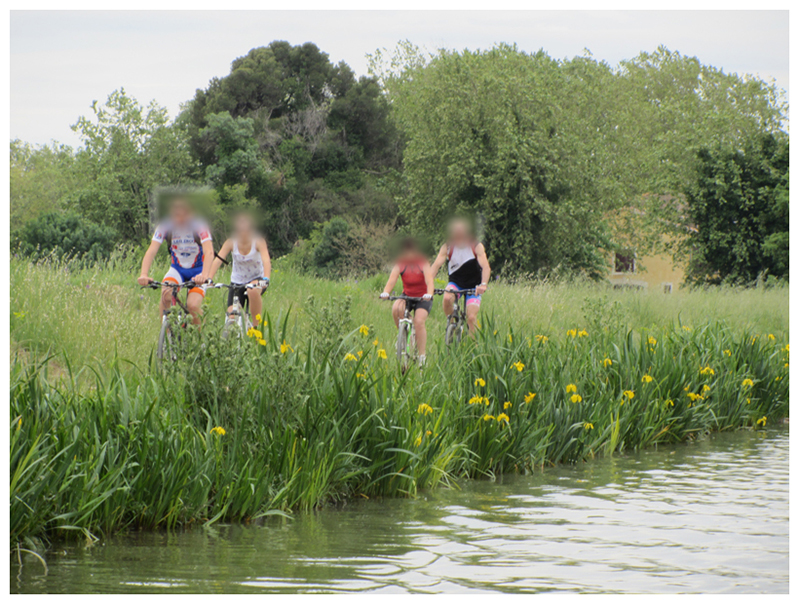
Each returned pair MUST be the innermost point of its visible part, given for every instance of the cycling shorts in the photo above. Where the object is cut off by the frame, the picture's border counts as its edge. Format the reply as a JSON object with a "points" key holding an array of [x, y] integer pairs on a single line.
{"points": [[241, 294], [472, 299], [425, 305], [178, 275]]}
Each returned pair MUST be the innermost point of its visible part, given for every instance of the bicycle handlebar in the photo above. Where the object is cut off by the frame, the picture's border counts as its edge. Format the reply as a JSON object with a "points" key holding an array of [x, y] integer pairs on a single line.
{"points": [[404, 297], [446, 291], [231, 286], [158, 284]]}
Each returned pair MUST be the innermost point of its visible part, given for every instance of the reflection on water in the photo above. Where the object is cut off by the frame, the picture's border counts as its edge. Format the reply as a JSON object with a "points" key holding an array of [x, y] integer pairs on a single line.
{"points": [[712, 516]]}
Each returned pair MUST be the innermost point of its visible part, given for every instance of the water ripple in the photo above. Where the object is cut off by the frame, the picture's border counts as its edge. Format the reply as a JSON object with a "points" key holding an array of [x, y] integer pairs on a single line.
{"points": [[712, 516]]}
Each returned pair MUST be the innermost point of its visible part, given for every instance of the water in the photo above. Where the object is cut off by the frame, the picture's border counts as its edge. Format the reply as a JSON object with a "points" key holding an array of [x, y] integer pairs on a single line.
{"points": [[712, 516]]}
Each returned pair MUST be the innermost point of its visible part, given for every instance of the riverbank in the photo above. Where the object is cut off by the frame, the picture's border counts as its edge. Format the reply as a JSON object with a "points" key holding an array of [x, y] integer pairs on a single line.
{"points": [[315, 414], [696, 517]]}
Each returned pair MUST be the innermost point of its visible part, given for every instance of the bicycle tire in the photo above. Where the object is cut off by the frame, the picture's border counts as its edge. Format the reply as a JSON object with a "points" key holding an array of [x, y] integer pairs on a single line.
{"points": [[166, 342], [402, 345], [232, 327], [453, 333]]}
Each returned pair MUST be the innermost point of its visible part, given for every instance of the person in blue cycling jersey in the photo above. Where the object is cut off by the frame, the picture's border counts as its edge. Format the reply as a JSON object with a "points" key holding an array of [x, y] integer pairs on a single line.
{"points": [[467, 268], [191, 252]]}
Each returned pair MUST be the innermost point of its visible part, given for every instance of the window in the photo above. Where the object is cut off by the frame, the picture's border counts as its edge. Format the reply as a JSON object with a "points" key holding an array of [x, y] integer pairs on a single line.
{"points": [[667, 287], [624, 262]]}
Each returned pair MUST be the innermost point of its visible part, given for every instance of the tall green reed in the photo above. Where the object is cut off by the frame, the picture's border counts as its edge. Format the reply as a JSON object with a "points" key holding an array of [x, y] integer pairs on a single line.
{"points": [[293, 418]]}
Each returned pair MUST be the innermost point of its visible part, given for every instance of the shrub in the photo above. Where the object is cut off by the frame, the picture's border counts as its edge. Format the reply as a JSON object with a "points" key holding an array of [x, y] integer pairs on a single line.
{"points": [[328, 252], [65, 235]]}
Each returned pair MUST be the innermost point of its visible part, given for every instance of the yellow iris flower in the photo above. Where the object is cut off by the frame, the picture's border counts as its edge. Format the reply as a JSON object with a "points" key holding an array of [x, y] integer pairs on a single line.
{"points": [[424, 409]]}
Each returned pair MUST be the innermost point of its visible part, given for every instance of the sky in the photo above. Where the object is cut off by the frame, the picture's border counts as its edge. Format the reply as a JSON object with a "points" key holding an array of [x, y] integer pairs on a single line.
{"points": [[61, 61]]}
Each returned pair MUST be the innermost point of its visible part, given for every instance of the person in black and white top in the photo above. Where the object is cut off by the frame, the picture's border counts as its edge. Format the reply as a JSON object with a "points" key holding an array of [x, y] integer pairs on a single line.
{"points": [[251, 264], [467, 268]]}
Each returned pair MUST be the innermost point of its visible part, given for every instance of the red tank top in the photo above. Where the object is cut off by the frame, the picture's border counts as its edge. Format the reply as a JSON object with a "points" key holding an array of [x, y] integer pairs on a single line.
{"points": [[413, 278]]}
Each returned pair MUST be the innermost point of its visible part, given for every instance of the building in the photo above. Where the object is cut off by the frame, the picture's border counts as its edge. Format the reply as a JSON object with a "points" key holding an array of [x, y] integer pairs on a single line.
{"points": [[647, 271], [659, 272]]}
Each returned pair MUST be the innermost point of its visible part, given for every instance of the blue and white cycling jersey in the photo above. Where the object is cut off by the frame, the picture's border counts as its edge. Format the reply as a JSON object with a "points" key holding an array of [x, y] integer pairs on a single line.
{"points": [[185, 245]]}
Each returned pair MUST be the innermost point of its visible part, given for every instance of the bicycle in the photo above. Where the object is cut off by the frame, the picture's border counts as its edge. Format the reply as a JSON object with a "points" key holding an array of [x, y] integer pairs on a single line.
{"points": [[177, 316], [238, 318], [458, 318], [406, 334]]}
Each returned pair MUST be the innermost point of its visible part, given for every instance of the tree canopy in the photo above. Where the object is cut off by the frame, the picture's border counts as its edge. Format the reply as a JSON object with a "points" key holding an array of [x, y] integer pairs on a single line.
{"points": [[544, 151], [740, 204], [561, 160]]}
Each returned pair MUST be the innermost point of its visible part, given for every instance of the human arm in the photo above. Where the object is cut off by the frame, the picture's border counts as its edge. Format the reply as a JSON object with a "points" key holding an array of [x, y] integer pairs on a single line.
{"points": [[441, 259], [208, 253], [147, 262], [427, 271], [486, 270], [261, 246], [223, 254], [393, 276]]}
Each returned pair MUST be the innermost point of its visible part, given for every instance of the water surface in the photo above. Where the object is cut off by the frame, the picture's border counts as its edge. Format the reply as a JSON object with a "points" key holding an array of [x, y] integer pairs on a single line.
{"points": [[711, 516]]}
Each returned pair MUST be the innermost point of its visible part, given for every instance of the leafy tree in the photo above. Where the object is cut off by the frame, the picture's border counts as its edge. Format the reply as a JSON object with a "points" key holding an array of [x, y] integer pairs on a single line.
{"points": [[40, 178], [517, 139], [739, 203], [127, 150], [362, 115], [549, 153], [268, 83], [65, 235], [234, 149], [307, 139]]}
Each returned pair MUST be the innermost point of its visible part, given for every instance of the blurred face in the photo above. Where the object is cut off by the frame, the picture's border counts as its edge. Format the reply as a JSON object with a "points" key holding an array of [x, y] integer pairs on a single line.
{"points": [[409, 250], [180, 212], [243, 226], [460, 232]]}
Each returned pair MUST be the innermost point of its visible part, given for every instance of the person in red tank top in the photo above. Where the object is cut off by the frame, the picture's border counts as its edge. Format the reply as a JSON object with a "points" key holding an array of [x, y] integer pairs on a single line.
{"points": [[413, 269]]}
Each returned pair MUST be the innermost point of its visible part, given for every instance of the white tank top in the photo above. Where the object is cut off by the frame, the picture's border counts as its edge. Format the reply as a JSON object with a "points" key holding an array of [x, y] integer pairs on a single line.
{"points": [[459, 257], [246, 267]]}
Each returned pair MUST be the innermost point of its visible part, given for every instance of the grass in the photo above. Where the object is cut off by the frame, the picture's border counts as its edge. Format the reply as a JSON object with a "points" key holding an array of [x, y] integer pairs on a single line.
{"points": [[93, 314], [558, 373]]}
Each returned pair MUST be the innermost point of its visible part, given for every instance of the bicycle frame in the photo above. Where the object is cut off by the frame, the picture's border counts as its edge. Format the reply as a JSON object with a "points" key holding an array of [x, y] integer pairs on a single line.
{"points": [[239, 314], [406, 351], [458, 318], [165, 338]]}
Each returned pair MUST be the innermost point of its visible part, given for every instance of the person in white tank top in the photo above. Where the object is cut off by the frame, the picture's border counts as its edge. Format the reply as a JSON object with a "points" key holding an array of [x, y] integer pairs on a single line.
{"points": [[250, 264], [467, 268]]}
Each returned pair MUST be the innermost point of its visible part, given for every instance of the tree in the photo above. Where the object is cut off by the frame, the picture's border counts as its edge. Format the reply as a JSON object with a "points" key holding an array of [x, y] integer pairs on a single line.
{"points": [[41, 177], [127, 150], [739, 203], [362, 115], [308, 140], [550, 153], [517, 139], [235, 150], [266, 84]]}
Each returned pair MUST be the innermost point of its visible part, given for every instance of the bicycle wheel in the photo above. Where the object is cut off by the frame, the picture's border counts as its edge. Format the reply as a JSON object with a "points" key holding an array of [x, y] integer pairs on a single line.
{"points": [[167, 342], [232, 327], [412, 347], [453, 333], [402, 345]]}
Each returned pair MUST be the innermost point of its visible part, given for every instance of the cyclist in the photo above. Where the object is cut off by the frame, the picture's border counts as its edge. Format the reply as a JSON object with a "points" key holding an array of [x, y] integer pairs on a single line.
{"points": [[467, 268], [251, 263], [413, 269], [190, 248]]}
